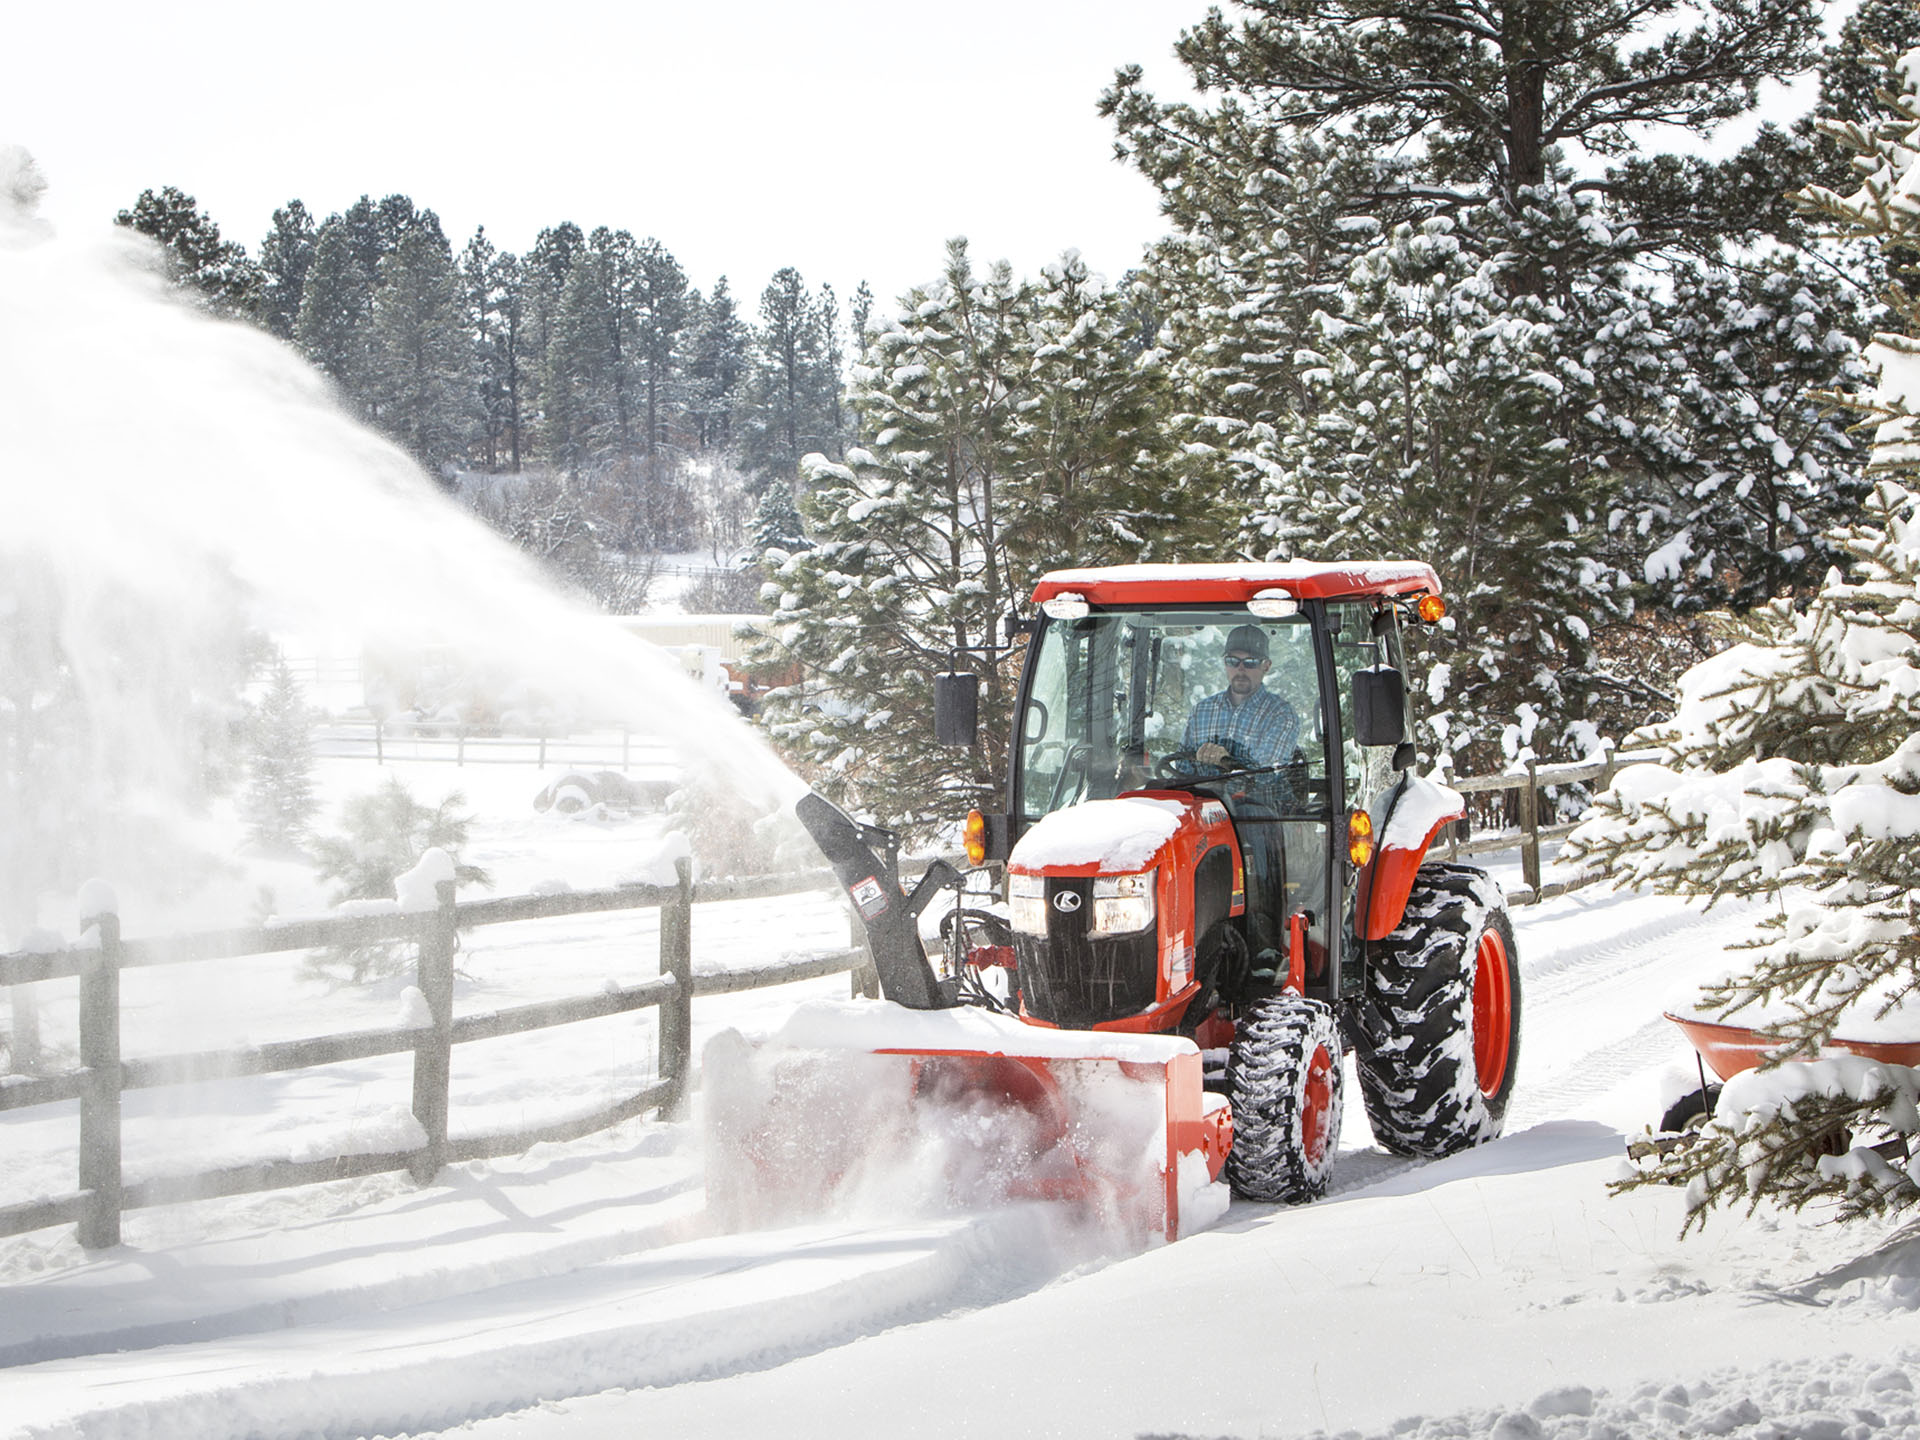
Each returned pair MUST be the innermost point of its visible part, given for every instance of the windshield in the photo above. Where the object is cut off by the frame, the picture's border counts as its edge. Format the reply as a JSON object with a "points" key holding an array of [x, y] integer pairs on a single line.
{"points": [[1128, 700]]}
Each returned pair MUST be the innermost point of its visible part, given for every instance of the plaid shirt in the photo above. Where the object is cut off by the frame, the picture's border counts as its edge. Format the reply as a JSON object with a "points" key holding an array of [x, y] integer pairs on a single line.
{"points": [[1261, 732]]}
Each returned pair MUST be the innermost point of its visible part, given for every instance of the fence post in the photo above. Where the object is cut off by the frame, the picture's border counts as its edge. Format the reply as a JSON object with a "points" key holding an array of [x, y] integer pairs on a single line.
{"points": [[543, 749], [1530, 830], [1453, 830], [676, 1011], [460, 747], [100, 1180], [1607, 765], [626, 749], [379, 749], [433, 1049]]}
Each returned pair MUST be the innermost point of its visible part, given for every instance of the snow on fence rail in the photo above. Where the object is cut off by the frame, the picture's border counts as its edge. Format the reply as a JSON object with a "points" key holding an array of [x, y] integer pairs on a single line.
{"points": [[98, 959], [1527, 783]]}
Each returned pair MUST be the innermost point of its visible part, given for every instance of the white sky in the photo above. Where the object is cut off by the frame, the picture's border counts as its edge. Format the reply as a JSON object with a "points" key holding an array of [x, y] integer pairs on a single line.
{"points": [[849, 139]]}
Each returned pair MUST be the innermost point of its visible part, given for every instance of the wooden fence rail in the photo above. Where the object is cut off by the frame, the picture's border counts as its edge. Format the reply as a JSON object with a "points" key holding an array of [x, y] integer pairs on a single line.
{"points": [[100, 956], [1528, 784], [379, 741]]}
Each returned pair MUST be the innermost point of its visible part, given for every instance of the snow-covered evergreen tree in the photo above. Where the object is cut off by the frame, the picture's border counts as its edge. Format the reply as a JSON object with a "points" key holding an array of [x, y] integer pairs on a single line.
{"points": [[423, 361], [1790, 775], [285, 257], [777, 523], [1092, 472], [332, 329], [216, 271], [1012, 428], [793, 401], [1769, 468], [1327, 135], [717, 365], [1446, 416]]}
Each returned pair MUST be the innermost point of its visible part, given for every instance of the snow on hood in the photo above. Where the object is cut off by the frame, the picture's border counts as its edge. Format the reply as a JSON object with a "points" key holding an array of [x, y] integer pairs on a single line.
{"points": [[1115, 835]]}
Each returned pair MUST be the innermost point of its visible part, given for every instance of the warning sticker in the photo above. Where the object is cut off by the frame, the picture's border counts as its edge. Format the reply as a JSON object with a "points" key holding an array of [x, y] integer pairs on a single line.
{"points": [[870, 896]]}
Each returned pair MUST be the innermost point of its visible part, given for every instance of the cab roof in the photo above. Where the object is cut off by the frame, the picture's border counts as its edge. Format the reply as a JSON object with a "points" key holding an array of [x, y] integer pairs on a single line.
{"points": [[1236, 584]]}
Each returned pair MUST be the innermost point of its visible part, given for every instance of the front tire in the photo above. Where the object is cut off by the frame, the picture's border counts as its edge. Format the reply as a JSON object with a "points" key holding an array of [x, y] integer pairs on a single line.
{"points": [[1442, 1039], [1284, 1083]]}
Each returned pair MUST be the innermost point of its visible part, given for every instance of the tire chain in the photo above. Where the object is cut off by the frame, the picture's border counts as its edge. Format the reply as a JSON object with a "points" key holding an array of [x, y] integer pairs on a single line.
{"points": [[1271, 1050]]}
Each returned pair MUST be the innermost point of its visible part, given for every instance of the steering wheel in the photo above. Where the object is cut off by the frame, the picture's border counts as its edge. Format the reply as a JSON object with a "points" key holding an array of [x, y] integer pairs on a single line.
{"points": [[1175, 765], [1185, 765]]}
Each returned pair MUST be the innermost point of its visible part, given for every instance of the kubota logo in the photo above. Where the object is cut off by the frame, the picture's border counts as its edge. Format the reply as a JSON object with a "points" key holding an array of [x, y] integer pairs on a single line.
{"points": [[1066, 902]]}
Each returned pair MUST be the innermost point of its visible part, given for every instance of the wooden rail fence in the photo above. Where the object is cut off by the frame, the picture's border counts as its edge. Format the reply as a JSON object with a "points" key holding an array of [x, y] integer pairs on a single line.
{"points": [[379, 741], [104, 1075], [1528, 784]]}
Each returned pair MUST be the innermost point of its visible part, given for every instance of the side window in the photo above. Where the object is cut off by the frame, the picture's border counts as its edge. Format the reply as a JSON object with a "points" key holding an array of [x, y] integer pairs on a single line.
{"points": [[1355, 647]]}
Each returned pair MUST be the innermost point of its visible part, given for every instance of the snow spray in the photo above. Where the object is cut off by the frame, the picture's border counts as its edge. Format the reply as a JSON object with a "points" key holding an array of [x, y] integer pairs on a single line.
{"points": [[174, 485]]}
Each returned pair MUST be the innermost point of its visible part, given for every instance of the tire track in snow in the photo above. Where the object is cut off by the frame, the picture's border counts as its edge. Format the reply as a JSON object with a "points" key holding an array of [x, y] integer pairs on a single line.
{"points": [[1569, 994]]}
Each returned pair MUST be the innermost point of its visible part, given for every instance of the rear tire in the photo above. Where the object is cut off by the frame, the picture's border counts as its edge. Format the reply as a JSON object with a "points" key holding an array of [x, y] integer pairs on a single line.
{"points": [[1442, 1030], [1284, 1083]]}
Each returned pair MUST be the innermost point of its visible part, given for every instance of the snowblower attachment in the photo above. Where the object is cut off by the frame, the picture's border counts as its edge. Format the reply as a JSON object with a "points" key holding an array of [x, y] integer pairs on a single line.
{"points": [[922, 1102]]}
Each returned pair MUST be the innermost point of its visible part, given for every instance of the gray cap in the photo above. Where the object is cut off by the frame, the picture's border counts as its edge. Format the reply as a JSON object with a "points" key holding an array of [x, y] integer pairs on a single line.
{"points": [[1248, 640]]}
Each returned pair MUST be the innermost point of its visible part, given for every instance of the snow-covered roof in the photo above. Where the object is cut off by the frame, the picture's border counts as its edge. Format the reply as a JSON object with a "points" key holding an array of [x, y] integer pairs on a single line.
{"points": [[1236, 584]]}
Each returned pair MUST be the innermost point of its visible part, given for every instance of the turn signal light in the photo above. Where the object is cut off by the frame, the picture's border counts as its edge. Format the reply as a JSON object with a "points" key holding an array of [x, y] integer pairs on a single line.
{"points": [[1431, 609], [974, 838], [1360, 837]]}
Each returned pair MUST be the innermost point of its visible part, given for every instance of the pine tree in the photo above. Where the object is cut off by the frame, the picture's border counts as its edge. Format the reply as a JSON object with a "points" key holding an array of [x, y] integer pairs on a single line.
{"points": [[1334, 133], [216, 271], [717, 366], [279, 803], [1446, 420], [1092, 473], [1789, 776], [1013, 428], [581, 382], [778, 524], [333, 328], [795, 395], [1488, 97], [491, 294], [1770, 467], [285, 257], [422, 356]]}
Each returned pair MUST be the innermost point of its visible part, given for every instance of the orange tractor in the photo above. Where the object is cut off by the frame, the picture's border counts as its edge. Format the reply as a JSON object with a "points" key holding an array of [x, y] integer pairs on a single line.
{"points": [[1210, 904]]}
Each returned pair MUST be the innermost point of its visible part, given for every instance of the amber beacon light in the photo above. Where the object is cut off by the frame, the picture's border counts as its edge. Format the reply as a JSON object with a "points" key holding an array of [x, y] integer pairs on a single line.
{"points": [[1360, 837], [974, 838]]}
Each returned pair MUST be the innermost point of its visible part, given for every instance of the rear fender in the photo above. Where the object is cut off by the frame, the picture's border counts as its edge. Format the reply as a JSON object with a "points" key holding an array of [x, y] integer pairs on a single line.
{"points": [[1419, 809]]}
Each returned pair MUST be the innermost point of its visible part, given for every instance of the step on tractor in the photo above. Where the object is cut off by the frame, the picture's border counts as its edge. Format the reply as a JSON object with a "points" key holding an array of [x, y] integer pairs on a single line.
{"points": [[1206, 907]]}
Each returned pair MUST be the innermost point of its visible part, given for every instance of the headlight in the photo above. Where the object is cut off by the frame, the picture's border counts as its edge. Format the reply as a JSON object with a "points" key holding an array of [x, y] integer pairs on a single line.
{"points": [[1122, 904], [1027, 903]]}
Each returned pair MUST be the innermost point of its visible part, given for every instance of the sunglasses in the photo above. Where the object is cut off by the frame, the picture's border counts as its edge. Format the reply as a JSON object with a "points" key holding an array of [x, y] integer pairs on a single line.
{"points": [[1242, 662]]}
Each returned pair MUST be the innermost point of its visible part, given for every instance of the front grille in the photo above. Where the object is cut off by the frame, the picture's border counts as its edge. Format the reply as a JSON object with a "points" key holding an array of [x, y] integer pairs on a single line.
{"points": [[1072, 980]]}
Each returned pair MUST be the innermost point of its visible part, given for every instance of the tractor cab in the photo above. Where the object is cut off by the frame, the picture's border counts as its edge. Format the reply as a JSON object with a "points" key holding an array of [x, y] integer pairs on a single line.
{"points": [[1138, 683]]}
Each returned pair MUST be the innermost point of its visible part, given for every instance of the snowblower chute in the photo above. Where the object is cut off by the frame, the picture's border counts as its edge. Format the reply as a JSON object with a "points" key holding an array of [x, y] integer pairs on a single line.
{"points": [[921, 1100]]}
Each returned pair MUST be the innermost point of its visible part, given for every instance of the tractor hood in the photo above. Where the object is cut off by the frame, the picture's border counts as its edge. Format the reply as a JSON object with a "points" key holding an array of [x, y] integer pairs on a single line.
{"points": [[1107, 837]]}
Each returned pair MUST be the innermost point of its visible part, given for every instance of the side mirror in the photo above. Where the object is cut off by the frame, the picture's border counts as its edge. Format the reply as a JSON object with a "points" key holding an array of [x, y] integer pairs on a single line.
{"points": [[1379, 706], [956, 707]]}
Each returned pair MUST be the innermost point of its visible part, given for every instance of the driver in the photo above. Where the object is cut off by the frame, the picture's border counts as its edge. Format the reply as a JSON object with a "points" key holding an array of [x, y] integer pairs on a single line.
{"points": [[1246, 726]]}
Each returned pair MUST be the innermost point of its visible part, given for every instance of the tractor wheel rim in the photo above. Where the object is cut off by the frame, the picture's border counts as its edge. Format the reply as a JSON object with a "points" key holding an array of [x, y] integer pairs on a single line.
{"points": [[1316, 1101], [1492, 1012]]}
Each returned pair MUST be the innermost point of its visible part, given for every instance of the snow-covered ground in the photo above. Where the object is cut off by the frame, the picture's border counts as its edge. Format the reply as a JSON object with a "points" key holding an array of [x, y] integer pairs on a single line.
{"points": [[582, 1290]]}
